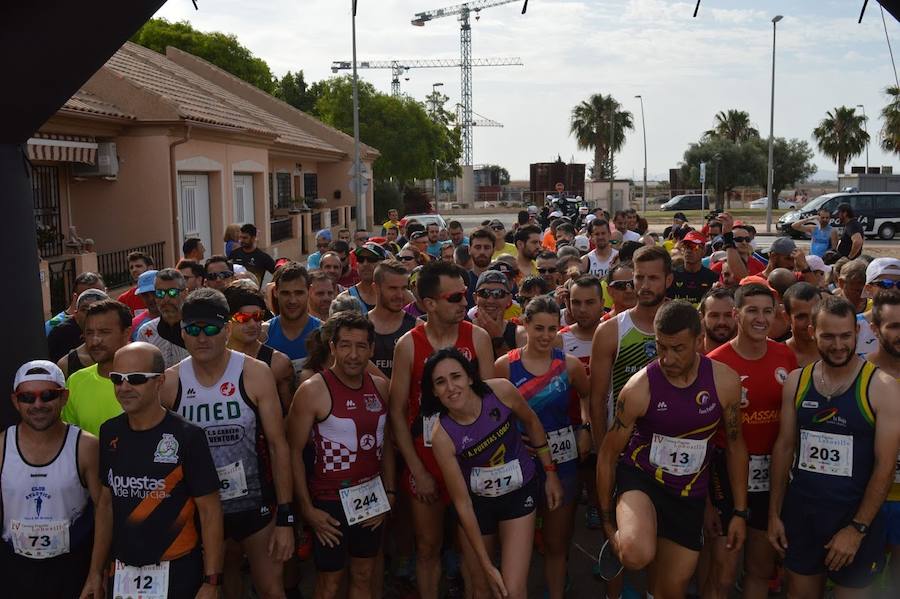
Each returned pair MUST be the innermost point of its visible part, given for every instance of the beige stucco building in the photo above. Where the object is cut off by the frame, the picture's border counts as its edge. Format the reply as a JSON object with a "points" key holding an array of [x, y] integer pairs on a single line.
{"points": [[154, 149]]}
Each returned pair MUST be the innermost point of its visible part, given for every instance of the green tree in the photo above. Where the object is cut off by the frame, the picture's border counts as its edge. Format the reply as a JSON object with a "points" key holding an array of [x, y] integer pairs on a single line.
{"points": [[791, 163], [498, 172], [221, 49], [590, 124], [733, 125], [890, 133], [729, 164], [841, 135], [293, 89]]}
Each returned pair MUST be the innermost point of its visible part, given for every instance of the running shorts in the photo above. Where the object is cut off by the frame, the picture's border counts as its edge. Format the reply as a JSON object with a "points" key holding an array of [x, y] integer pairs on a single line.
{"points": [[678, 519], [490, 511], [723, 501], [356, 541], [240, 525], [60, 577], [809, 526], [891, 514]]}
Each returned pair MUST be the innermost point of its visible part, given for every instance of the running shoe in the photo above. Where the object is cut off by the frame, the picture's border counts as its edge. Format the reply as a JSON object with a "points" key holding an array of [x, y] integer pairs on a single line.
{"points": [[592, 519], [608, 565]]}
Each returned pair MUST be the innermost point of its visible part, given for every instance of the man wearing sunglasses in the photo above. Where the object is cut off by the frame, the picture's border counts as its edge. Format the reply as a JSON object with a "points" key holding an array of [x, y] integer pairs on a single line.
{"points": [[157, 482], [501, 246], [736, 242], [219, 272], [92, 400], [442, 289], [693, 280], [493, 296], [49, 478], [368, 256], [881, 274], [248, 311], [165, 331], [235, 400]]}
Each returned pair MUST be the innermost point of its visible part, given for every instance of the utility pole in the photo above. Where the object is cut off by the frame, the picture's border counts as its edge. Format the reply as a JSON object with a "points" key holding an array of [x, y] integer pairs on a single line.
{"points": [[612, 135], [866, 125], [434, 109], [771, 165], [644, 127]]}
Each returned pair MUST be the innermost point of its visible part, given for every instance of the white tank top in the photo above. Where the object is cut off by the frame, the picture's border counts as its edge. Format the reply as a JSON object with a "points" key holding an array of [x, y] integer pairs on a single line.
{"points": [[230, 421], [42, 503], [598, 267]]}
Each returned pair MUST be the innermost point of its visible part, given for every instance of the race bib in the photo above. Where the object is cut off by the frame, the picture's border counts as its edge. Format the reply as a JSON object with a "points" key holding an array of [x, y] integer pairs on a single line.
{"points": [[758, 477], [493, 481], [232, 481], [679, 457], [144, 582], [428, 428], [40, 540], [364, 501], [563, 447], [826, 453]]}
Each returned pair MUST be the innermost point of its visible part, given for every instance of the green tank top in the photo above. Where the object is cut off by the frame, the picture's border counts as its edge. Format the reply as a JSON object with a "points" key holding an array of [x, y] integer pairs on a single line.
{"points": [[636, 349]]}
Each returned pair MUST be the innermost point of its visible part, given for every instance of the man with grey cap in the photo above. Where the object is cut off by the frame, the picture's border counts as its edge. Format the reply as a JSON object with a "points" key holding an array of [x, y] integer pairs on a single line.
{"points": [[882, 273], [83, 282], [49, 478], [68, 335], [493, 295], [79, 357]]}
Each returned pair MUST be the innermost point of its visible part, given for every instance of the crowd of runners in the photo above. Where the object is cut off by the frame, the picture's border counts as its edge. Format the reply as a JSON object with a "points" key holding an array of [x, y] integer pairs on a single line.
{"points": [[426, 407]]}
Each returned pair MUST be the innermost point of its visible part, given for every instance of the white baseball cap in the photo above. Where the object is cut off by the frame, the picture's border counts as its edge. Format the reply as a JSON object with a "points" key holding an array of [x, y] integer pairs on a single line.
{"points": [[882, 266], [582, 243], [555, 214], [39, 370], [816, 263], [590, 218]]}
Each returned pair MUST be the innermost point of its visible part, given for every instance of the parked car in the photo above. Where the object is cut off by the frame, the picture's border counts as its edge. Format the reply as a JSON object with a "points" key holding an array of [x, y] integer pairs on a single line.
{"points": [[427, 219], [783, 204], [688, 201], [878, 213]]}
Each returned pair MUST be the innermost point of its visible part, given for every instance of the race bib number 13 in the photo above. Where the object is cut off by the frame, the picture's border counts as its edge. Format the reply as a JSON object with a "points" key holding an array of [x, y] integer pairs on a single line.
{"points": [[145, 582], [680, 457]]}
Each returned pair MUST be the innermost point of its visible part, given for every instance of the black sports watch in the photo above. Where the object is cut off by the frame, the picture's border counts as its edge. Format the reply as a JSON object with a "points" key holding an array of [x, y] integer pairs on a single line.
{"points": [[744, 514], [859, 527]]}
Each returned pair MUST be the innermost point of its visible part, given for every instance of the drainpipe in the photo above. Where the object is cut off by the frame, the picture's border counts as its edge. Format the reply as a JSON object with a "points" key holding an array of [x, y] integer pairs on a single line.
{"points": [[173, 176]]}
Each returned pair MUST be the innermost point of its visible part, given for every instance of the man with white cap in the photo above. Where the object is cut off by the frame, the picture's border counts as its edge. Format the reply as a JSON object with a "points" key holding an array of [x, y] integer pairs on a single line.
{"points": [[49, 477], [820, 270], [882, 273]]}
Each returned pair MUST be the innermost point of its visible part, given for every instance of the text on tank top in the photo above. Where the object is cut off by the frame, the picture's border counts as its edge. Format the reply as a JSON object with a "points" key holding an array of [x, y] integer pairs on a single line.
{"points": [[383, 356], [672, 441], [51, 495], [491, 440], [835, 451], [636, 349], [599, 267], [348, 442], [231, 423], [422, 350]]}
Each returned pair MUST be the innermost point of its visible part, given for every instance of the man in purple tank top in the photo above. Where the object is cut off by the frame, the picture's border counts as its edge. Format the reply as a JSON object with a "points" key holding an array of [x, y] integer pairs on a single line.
{"points": [[653, 467]]}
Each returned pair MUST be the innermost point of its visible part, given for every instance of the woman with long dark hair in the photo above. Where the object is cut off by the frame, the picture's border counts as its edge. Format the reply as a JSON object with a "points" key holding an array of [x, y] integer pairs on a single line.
{"points": [[546, 377], [489, 473]]}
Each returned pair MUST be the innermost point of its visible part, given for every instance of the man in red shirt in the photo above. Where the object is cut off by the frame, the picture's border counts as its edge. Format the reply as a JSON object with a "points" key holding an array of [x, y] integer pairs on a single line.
{"points": [[738, 249], [764, 366], [138, 262]]}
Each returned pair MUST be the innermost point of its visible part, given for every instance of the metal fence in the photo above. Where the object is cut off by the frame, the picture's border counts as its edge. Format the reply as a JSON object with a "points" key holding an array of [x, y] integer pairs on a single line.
{"points": [[62, 283], [45, 192], [281, 229], [114, 265], [335, 217], [316, 220]]}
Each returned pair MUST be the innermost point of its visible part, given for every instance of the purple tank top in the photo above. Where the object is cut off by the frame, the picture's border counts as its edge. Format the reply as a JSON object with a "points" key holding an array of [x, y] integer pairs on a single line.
{"points": [[661, 445], [492, 440]]}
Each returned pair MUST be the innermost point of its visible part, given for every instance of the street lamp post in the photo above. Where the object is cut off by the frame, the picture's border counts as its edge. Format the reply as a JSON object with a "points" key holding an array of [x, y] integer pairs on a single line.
{"points": [[644, 127], [434, 108], [866, 125], [771, 166], [612, 137], [361, 221]]}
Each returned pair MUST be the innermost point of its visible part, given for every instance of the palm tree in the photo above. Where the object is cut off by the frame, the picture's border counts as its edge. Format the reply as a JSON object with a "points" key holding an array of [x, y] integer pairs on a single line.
{"points": [[590, 125], [733, 125], [890, 133], [841, 135]]}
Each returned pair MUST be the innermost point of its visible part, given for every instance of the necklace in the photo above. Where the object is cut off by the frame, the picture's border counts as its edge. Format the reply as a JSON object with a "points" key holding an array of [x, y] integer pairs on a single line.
{"points": [[841, 386]]}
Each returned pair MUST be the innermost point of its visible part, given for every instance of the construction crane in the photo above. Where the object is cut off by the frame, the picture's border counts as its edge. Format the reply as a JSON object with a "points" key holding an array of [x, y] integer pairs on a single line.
{"points": [[464, 12], [400, 67], [481, 121]]}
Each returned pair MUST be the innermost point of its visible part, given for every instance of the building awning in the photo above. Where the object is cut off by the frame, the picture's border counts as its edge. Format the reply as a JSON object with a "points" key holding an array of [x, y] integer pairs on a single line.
{"points": [[62, 148]]}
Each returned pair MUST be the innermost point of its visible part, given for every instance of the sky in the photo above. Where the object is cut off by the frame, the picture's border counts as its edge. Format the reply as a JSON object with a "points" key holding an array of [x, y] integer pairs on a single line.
{"points": [[687, 69]]}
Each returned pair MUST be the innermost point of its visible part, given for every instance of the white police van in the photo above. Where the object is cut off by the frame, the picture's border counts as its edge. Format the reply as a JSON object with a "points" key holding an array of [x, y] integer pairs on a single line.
{"points": [[877, 212]]}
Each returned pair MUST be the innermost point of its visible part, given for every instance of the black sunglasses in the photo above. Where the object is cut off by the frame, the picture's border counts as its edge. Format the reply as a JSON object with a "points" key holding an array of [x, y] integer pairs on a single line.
{"points": [[453, 298], [621, 285], [742, 240], [545, 271], [46, 396], [225, 274], [494, 293], [132, 378]]}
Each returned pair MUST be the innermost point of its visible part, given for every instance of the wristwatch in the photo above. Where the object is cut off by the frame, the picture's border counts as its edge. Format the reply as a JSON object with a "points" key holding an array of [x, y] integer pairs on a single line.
{"points": [[284, 515], [745, 513], [213, 579], [859, 527]]}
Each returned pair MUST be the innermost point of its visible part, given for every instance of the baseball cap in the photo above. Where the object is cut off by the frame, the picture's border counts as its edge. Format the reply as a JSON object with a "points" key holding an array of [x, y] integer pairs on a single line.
{"points": [[582, 243], [882, 266], [555, 214], [324, 234], [418, 235], [590, 218], [90, 295], [372, 248], [783, 246], [146, 281], [206, 311], [680, 216], [492, 276], [39, 370], [759, 281], [816, 263], [694, 237], [532, 210]]}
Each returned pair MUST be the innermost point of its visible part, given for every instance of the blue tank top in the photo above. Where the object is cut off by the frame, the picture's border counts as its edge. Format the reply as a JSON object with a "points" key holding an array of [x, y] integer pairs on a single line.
{"points": [[548, 394], [295, 349], [821, 239], [848, 422], [492, 440]]}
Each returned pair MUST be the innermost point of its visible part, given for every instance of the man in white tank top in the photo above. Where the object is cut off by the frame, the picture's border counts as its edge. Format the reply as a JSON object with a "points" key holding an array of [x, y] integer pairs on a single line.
{"points": [[233, 397], [48, 477], [599, 260]]}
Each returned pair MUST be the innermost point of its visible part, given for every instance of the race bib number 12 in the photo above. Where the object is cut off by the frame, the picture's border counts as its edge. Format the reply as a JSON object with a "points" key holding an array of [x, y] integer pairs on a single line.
{"points": [[145, 582]]}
